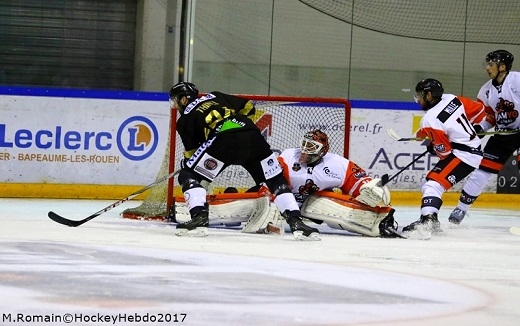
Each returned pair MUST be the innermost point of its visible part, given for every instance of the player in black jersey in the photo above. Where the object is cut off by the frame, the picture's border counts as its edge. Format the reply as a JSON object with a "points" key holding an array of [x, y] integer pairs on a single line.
{"points": [[216, 132]]}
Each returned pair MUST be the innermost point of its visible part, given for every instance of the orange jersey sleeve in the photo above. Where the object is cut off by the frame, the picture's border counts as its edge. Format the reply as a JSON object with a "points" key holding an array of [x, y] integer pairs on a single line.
{"points": [[475, 111], [355, 177], [440, 141]]}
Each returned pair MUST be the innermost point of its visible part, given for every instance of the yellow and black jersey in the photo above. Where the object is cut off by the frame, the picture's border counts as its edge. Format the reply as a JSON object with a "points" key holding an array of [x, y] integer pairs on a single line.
{"points": [[212, 113]]}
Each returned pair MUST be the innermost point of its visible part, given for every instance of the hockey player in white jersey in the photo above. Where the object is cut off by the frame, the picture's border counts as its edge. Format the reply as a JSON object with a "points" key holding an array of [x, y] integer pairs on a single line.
{"points": [[335, 190], [501, 97], [452, 139]]}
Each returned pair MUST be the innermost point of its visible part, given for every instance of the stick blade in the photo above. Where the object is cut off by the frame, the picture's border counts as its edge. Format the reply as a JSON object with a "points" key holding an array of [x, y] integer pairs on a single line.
{"points": [[60, 219], [391, 132], [515, 230]]}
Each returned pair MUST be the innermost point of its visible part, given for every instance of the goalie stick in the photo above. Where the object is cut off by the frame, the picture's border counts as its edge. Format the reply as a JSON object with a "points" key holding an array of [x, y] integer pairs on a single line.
{"points": [[65, 221], [393, 134]]}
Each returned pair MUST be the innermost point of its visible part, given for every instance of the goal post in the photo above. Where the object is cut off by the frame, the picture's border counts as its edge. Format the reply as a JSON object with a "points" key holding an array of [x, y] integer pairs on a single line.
{"points": [[283, 120]]}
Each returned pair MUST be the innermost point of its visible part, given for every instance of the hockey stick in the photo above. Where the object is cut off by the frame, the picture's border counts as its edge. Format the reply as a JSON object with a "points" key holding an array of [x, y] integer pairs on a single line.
{"points": [[393, 134], [65, 221], [385, 179]]}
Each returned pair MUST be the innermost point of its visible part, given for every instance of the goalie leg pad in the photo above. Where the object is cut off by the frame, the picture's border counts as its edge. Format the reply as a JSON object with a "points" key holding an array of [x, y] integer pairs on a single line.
{"points": [[220, 211], [345, 214], [265, 218]]}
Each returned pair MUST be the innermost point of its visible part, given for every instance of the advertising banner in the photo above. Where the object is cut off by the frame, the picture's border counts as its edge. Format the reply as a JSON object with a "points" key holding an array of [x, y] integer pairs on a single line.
{"points": [[70, 140]]}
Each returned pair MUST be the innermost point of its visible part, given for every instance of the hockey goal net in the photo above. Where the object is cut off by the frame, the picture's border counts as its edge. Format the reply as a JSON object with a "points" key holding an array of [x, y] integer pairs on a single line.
{"points": [[282, 120]]}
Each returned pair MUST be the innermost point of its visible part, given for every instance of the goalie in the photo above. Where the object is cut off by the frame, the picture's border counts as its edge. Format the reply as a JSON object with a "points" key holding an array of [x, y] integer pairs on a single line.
{"points": [[329, 188], [335, 190]]}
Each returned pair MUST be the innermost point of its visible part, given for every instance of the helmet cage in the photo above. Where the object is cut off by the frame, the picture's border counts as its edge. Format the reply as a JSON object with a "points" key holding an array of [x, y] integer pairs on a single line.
{"points": [[313, 146]]}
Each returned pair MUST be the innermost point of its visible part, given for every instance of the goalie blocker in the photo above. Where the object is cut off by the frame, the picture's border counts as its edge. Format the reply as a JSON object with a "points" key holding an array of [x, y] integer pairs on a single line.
{"points": [[338, 211]]}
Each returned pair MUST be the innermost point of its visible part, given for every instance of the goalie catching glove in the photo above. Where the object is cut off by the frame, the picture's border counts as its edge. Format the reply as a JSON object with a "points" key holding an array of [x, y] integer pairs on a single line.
{"points": [[374, 194]]}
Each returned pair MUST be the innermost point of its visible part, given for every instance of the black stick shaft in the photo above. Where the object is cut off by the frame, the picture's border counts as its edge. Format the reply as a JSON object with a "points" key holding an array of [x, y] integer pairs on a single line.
{"points": [[385, 179]]}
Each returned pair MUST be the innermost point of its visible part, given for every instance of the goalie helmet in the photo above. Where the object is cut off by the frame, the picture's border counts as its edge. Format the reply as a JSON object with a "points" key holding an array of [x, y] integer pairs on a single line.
{"points": [[501, 56], [179, 90], [314, 145]]}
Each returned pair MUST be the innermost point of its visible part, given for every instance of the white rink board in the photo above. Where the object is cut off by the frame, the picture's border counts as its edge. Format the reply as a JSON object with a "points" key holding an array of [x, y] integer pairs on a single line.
{"points": [[377, 153], [81, 140], [76, 140]]}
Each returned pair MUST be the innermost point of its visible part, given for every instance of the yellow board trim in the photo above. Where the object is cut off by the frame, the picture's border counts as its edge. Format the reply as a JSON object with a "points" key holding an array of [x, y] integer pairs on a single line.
{"points": [[85, 191], [68, 191]]}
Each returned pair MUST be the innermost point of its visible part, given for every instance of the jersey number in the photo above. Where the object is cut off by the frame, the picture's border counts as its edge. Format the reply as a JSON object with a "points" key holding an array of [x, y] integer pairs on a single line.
{"points": [[466, 125]]}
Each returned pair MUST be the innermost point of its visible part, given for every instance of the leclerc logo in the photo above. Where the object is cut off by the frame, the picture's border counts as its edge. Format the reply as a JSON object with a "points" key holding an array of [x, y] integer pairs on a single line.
{"points": [[137, 138]]}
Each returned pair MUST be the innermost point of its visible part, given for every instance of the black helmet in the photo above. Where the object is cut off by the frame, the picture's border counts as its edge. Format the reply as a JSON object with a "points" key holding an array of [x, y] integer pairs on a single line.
{"points": [[430, 85], [501, 56], [184, 89]]}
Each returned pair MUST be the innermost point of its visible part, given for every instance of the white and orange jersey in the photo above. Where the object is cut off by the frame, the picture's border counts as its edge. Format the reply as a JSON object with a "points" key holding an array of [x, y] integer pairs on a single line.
{"points": [[450, 129], [333, 171], [502, 102]]}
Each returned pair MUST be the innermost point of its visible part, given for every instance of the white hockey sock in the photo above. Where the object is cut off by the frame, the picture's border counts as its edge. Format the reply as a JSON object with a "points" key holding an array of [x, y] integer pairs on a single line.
{"points": [[476, 182], [285, 202], [195, 197]]}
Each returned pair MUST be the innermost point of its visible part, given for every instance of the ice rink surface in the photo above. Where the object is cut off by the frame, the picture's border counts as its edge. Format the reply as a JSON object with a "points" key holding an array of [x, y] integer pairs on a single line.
{"points": [[114, 271]]}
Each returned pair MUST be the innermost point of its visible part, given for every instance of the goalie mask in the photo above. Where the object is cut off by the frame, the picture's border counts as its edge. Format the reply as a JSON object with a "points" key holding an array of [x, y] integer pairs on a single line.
{"points": [[183, 89], [314, 145]]}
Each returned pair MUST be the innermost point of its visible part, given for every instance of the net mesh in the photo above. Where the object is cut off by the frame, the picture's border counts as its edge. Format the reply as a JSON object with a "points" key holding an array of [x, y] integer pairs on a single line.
{"points": [[473, 21], [282, 120]]}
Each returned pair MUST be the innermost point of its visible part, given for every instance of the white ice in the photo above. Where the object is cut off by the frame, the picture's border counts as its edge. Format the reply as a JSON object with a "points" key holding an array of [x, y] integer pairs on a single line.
{"points": [[112, 267]]}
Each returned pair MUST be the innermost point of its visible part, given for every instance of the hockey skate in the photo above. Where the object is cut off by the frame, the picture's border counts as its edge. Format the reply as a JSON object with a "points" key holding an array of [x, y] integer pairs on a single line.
{"points": [[457, 216], [424, 227], [300, 230], [388, 226], [196, 227]]}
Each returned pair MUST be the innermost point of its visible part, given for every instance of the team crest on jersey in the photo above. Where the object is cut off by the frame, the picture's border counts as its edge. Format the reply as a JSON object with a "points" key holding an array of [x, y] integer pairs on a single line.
{"points": [[296, 167], [440, 148], [305, 190], [358, 172], [506, 113]]}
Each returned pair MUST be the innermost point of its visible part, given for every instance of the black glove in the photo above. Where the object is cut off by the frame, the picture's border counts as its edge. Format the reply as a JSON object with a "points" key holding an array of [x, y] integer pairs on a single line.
{"points": [[479, 129], [430, 149]]}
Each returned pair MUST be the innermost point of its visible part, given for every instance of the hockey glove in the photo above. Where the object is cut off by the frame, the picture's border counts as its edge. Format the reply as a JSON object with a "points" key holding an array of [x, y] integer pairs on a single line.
{"points": [[430, 149], [478, 129], [373, 194]]}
